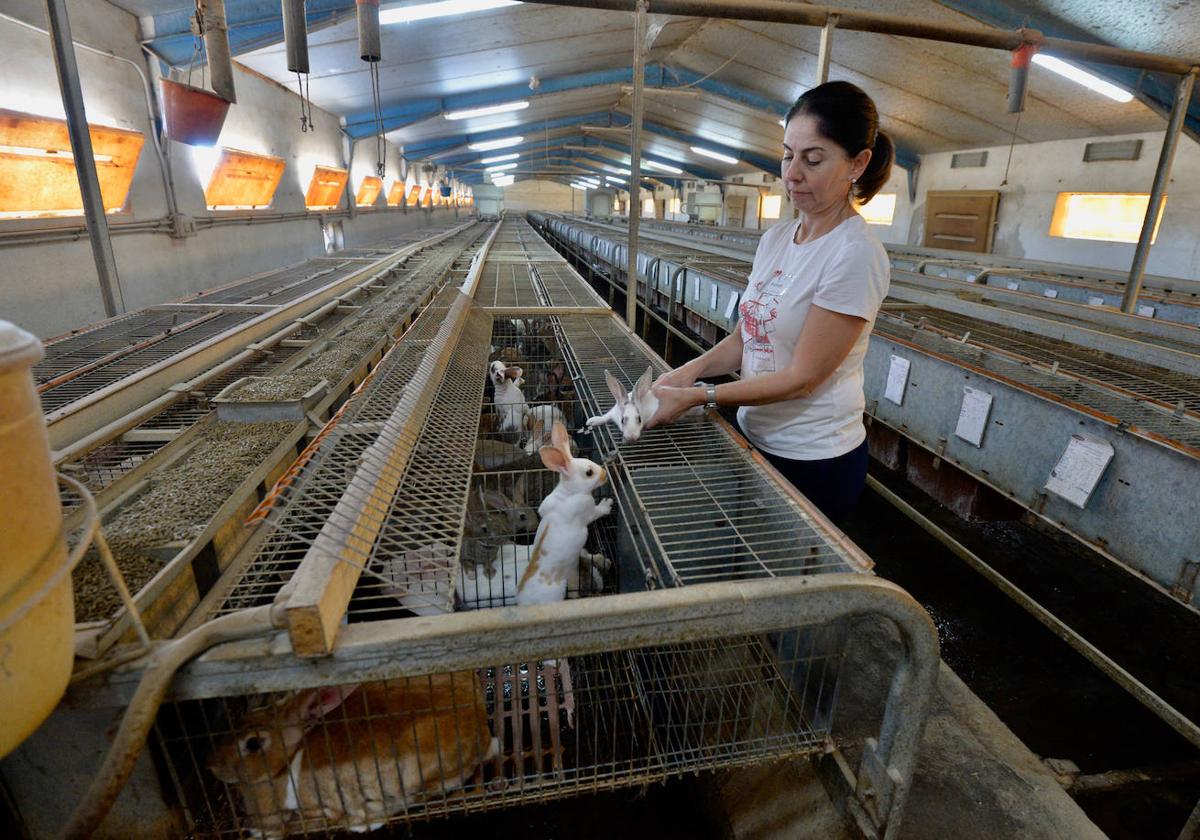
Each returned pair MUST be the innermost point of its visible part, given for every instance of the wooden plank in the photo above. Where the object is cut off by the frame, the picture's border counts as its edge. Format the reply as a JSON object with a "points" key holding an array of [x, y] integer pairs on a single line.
{"points": [[243, 180], [368, 191], [325, 188], [320, 590], [39, 169]]}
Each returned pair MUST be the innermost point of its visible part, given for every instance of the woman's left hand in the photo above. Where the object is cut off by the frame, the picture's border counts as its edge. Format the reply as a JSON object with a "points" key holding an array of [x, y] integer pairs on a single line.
{"points": [[673, 402]]}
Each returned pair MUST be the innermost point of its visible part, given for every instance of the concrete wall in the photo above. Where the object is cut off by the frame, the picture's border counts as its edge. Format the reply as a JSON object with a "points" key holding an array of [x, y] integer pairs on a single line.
{"points": [[1040, 171], [542, 195], [51, 287]]}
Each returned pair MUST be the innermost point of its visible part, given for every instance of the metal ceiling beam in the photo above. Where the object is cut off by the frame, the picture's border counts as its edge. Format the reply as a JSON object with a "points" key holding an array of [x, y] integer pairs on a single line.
{"points": [[689, 170], [1156, 90], [804, 14]]}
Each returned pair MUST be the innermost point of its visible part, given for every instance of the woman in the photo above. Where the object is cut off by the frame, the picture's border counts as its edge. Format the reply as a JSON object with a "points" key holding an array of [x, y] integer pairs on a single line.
{"points": [[811, 298]]}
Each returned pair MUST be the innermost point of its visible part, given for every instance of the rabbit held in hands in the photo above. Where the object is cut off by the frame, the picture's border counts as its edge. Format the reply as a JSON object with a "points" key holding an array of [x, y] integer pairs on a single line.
{"points": [[629, 413], [352, 756], [566, 514]]}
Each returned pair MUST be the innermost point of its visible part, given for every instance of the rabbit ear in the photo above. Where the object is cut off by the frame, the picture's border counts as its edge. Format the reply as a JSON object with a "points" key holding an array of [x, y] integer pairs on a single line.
{"points": [[321, 701], [496, 499], [555, 459], [618, 390], [514, 373], [643, 385], [519, 485], [539, 430], [559, 438]]}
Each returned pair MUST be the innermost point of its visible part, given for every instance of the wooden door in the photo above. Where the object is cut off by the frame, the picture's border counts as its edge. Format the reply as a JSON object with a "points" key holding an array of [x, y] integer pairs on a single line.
{"points": [[961, 220]]}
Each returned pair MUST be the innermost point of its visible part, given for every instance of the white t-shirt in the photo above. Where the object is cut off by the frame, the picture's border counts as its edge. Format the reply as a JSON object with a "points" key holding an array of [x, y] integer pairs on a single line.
{"points": [[846, 271]]}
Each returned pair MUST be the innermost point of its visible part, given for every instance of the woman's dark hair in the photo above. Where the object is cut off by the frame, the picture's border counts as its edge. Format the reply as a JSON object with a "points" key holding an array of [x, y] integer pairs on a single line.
{"points": [[847, 116]]}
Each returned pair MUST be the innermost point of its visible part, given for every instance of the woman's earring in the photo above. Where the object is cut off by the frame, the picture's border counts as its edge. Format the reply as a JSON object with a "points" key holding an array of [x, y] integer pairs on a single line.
{"points": [[853, 180]]}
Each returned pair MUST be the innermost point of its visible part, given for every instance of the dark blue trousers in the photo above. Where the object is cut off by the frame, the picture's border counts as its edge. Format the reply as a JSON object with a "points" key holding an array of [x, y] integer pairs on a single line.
{"points": [[832, 484]]}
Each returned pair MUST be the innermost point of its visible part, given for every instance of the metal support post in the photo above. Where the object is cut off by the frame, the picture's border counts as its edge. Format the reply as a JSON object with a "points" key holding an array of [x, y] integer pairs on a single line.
{"points": [[825, 50], [216, 46], [635, 163], [1162, 174], [85, 159]]}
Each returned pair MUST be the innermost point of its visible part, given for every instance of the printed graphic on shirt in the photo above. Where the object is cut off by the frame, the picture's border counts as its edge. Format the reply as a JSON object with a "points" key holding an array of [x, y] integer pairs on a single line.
{"points": [[759, 309]]}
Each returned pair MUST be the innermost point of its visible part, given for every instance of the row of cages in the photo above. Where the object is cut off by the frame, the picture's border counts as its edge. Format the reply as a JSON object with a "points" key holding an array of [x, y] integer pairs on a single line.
{"points": [[652, 667]]}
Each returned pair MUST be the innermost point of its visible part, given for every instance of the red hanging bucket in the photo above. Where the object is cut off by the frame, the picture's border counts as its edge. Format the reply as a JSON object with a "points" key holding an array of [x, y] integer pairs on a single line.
{"points": [[194, 115]]}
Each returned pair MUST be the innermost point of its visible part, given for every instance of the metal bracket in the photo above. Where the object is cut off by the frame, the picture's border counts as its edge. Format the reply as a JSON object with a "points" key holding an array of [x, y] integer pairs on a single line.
{"points": [[1186, 583]]}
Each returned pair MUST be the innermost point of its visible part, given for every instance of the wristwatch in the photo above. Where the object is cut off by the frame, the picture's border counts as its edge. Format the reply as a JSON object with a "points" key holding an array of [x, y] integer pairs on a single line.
{"points": [[710, 393]]}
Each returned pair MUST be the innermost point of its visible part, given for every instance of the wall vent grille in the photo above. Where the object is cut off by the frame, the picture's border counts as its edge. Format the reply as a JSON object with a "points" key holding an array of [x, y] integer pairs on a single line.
{"points": [[1112, 150], [968, 160]]}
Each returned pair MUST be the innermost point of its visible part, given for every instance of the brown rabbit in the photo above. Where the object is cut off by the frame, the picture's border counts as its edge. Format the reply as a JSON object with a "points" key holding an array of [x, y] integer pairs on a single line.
{"points": [[380, 747]]}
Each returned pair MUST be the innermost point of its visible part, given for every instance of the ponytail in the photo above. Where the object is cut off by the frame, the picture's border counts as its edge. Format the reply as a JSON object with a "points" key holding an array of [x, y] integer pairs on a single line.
{"points": [[878, 170]]}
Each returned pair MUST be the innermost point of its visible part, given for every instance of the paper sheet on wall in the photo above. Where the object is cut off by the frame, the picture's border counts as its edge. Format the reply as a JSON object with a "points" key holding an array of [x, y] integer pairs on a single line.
{"points": [[1148, 311], [1050, 293], [973, 415], [714, 297], [1095, 301], [897, 380], [731, 305], [1079, 469], [1013, 286]]}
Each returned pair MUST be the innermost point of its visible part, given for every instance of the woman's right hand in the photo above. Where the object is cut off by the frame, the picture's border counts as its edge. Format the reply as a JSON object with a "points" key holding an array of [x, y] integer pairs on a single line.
{"points": [[681, 377]]}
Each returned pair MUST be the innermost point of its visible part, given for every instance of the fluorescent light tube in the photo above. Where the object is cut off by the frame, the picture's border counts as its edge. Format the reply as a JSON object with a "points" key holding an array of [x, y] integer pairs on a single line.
{"points": [[489, 145], [501, 167], [445, 8], [674, 170], [1083, 77], [700, 150], [484, 111], [498, 158]]}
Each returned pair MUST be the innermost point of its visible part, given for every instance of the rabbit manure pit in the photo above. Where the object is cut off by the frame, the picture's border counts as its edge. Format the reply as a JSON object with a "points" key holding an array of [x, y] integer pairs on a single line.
{"points": [[175, 508]]}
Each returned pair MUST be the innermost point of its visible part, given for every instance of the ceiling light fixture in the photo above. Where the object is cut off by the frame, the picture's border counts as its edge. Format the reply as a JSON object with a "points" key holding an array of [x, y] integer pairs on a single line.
{"points": [[486, 110], [444, 8], [700, 150], [502, 167], [674, 170], [1083, 77], [489, 145], [578, 186], [498, 158]]}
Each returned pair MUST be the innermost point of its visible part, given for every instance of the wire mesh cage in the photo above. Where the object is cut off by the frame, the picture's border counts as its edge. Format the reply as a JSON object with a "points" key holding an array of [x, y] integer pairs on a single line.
{"points": [[356, 756], [422, 453]]}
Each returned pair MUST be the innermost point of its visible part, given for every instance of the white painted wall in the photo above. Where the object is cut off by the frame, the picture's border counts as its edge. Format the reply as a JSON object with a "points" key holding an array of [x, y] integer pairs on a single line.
{"points": [[537, 194], [1040, 171], [49, 288]]}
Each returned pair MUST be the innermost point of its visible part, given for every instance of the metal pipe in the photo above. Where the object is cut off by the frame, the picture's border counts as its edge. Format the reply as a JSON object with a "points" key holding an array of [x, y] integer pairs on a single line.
{"points": [[368, 30], [85, 160], [635, 162], [1162, 174], [1143, 694], [785, 11], [216, 46], [826, 50], [295, 35]]}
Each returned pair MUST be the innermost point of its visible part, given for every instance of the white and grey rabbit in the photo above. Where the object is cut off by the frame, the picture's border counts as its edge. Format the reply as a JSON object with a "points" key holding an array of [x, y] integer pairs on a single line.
{"points": [[508, 398], [566, 514], [629, 414]]}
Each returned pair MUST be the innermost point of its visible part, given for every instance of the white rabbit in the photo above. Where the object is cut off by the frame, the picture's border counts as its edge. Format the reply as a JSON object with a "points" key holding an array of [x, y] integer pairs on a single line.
{"points": [[539, 420], [509, 401], [566, 514], [629, 415]]}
